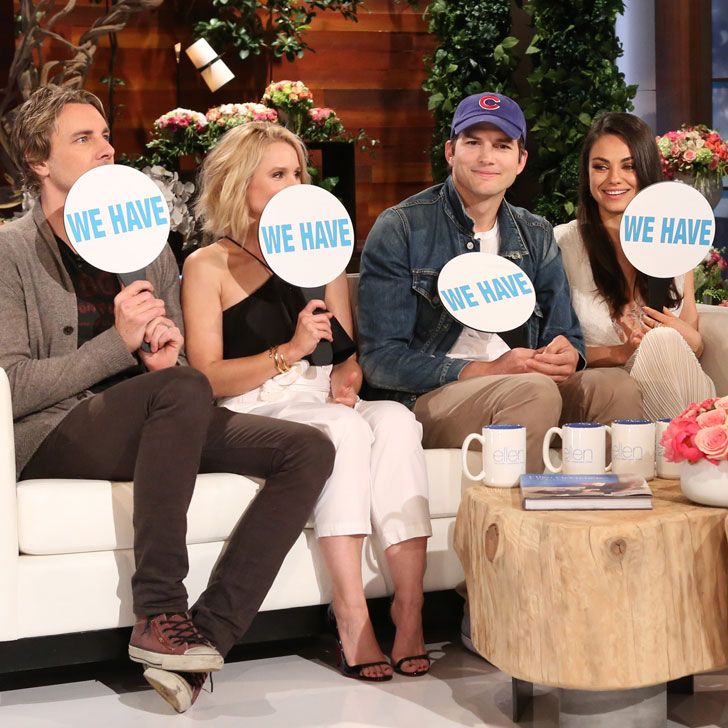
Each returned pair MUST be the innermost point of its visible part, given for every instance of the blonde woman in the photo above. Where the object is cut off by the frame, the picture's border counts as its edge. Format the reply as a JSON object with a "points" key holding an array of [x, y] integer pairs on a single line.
{"points": [[251, 333]]}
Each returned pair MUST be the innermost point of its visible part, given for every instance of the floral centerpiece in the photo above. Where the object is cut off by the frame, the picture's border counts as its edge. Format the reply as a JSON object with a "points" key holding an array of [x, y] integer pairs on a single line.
{"points": [[227, 116], [177, 195], [323, 125], [698, 438], [292, 99], [176, 134], [710, 279], [697, 155]]}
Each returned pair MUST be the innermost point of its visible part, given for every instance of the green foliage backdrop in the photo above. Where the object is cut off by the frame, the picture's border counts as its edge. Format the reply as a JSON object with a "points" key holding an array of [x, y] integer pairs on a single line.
{"points": [[574, 78]]}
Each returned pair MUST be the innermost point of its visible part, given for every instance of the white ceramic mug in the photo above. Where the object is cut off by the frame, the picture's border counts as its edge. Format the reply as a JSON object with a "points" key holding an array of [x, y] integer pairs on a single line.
{"points": [[665, 468], [583, 446], [633, 447], [504, 455]]}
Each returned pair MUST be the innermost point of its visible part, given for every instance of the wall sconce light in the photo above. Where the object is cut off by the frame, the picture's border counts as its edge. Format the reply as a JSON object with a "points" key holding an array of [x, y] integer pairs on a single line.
{"points": [[214, 71]]}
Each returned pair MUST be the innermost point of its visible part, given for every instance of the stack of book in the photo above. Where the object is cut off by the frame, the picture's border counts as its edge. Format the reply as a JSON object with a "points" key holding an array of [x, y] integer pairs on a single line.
{"points": [[554, 492]]}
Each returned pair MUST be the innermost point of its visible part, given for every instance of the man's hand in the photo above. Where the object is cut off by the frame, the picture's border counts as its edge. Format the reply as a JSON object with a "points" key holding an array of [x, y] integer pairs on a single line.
{"points": [[165, 341], [558, 360], [512, 362], [134, 308]]}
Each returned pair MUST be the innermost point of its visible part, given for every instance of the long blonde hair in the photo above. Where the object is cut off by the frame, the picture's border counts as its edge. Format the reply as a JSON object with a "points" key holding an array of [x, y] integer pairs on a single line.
{"points": [[226, 172]]}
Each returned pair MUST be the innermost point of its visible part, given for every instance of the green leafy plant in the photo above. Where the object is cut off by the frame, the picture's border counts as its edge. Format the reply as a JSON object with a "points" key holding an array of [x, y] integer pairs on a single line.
{"points": [[475, 53], [574, 79], [274, 28], [709, 276]]}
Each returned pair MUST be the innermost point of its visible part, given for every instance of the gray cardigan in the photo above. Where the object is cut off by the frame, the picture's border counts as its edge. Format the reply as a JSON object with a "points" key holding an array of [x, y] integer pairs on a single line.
{"points": [[48, 374]]}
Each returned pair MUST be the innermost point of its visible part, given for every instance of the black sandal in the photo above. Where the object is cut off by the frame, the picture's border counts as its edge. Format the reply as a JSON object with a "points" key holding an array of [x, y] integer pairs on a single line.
{"points": [[397, 667], [353, 671]]}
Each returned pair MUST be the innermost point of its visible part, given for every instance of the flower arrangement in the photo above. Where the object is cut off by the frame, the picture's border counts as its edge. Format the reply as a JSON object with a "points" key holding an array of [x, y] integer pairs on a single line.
{"points": [[228, 115], [180, 132], [323, 125], [292, 100], [710, 278], [288, 95], [179, 120], [693, 150], [700, 432]]}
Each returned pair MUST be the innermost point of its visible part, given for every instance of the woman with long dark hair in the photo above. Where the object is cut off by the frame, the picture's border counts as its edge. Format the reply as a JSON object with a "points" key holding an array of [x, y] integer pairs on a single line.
{"points": [[660, 348]]}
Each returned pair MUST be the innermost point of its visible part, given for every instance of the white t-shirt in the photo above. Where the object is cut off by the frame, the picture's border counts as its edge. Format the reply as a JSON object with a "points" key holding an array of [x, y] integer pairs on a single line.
{"points": [[477, 345]]}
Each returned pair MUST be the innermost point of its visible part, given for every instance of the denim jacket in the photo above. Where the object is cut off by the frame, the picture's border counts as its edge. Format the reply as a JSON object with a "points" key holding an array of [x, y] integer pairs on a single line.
{"points": [[405, 332]]}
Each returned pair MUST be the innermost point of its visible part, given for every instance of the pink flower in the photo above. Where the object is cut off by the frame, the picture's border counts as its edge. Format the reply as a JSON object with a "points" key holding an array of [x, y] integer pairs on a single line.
{"points": [[712, 418], [707, 404], [678, 441], [713, 442], [722, 402], [689, 155]]}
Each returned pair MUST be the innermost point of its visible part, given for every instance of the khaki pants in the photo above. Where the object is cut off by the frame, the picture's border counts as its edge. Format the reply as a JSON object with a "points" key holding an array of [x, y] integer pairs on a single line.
{"points": [[448, 414]]}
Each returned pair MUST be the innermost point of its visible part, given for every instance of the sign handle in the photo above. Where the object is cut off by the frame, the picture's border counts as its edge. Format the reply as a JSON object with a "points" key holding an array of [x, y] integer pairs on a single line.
{"points": [[128, 278], [323, 354], [657, 292]]}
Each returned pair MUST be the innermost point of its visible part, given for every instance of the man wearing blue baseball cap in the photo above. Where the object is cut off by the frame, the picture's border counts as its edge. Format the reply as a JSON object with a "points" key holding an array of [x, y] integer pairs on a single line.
{"points": [[456, 379]]}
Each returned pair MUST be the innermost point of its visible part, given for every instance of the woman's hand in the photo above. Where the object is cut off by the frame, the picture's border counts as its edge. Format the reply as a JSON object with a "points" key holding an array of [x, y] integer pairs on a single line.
{"points": [[310, 329], [653, 318], [346, 379]]}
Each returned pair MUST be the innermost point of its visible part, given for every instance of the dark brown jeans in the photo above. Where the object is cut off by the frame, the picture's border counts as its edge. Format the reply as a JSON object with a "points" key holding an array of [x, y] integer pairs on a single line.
{"points": [[160, 429]]}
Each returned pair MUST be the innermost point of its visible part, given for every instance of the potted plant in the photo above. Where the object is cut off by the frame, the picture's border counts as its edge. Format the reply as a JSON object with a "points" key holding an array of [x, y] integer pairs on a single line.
{"points": [[710, 284], [698, 438], [696, 155]]}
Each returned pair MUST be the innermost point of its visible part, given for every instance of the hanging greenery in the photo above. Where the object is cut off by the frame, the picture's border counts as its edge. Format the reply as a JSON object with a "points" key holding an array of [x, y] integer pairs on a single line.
{"points": [[575, 78], [272, 28], [475, 53]]}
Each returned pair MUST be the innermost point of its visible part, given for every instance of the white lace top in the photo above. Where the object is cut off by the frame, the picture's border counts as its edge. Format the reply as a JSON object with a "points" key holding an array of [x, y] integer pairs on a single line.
{"points": [[591, 308]]}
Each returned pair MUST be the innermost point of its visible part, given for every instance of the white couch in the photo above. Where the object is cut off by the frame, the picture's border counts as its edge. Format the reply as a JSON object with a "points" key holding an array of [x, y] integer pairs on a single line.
{"points": [[65, 545]]}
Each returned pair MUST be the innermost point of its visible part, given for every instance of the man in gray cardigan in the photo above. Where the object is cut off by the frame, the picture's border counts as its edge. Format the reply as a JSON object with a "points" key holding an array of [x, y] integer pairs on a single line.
{"points": [[89, 403]]}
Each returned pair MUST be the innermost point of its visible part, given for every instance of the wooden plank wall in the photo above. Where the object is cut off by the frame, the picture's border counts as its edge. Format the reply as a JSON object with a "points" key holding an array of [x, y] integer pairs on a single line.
{"points": [[370, 72]]}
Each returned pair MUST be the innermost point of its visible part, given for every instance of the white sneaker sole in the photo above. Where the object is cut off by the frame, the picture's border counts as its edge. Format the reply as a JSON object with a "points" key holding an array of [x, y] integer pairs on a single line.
{"points": [[172, 687], [191, 662]]}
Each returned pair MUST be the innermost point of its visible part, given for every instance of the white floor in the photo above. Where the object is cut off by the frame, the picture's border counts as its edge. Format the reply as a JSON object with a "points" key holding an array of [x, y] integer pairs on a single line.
{"points": [[291, 690]]}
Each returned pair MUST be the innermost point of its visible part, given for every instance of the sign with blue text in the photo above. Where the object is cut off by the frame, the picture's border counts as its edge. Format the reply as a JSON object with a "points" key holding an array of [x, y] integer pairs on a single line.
{"points": [[667, 229], [486, 292], [306, 236], [116, 218]]}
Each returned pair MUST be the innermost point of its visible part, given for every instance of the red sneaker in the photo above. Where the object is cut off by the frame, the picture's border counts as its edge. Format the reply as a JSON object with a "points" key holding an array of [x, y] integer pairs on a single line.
{"points": [[179, 689], [172, 642]]}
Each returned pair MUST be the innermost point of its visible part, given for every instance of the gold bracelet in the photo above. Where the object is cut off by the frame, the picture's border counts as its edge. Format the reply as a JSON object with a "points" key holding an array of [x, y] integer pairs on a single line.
{"points": [[278, 360]]}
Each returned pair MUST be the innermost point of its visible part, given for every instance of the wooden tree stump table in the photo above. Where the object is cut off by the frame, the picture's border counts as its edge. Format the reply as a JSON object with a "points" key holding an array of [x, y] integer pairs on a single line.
{"points": [[596, 600]]}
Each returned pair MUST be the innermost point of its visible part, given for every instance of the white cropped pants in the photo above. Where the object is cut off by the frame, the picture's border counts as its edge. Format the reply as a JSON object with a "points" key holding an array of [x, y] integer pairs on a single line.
{"points": [[379, 481]]}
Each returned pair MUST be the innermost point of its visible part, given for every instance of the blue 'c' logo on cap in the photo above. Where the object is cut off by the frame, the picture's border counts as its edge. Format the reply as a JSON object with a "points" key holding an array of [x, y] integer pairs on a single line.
{"points": [[489, 103]]}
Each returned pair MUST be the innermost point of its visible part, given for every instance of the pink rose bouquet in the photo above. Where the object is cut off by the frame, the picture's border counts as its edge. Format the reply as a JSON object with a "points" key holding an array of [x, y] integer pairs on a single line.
{"points": [[228, 115], [179, 120], [701, 431], [694, 150], [288, 95]]}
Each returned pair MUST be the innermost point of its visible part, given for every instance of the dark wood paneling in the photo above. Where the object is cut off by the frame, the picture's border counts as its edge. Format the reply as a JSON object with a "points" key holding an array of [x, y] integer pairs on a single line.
{"points": [[683, 63]]}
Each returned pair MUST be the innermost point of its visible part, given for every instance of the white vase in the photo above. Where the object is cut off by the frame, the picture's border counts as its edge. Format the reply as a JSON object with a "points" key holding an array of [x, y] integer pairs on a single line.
{"points": [[709, 187], [705, 483]]}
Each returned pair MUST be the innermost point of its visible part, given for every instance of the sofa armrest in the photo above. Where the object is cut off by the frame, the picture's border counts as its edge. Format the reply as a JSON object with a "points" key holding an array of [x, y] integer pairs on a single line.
{"points": [[8, 517], [713, 324]]}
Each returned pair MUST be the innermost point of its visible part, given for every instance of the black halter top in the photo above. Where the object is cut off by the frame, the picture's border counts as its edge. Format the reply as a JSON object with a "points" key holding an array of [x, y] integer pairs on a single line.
{"points": [[268, 317]]}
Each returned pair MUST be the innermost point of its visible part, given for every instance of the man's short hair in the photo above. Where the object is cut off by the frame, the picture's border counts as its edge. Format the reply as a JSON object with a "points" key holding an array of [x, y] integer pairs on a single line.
{"points": [[35, 122]]}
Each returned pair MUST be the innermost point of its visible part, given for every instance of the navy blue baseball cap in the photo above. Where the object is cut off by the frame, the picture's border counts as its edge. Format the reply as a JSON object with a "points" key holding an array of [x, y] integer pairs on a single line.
{"points": [[490, 108]]}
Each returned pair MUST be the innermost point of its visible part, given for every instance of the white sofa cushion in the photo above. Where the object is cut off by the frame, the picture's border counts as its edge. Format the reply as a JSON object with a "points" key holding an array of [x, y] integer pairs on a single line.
{"points": [[74, 516]]}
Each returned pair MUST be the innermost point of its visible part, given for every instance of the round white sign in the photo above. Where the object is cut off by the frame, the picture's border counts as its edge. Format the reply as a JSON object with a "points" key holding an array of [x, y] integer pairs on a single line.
{"points": [[667, 229], [116, 218], [306, 235], [486, 292]]}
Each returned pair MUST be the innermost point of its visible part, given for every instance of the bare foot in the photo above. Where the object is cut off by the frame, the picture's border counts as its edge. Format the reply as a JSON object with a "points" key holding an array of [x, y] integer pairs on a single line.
{"points": [[359, 641], [408, 640]]}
